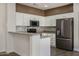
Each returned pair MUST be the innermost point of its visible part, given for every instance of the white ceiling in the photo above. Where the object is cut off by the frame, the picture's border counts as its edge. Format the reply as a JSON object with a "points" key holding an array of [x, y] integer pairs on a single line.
{"points": [[45, 6]]}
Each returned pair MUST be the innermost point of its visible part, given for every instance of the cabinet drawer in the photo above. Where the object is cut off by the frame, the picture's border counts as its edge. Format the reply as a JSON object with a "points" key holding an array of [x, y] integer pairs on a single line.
{"points": [[53, 43], [54, 36], [53, 39]]}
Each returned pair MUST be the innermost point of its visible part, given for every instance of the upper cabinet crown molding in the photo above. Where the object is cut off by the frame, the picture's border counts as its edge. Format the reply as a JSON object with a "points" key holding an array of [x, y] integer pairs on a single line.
{"points": [[54, 11], [59, 10], [29, 10]]}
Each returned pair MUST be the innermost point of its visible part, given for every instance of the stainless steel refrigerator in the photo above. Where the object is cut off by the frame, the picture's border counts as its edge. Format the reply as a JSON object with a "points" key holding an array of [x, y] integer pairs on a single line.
{"points": [[64, 33]]}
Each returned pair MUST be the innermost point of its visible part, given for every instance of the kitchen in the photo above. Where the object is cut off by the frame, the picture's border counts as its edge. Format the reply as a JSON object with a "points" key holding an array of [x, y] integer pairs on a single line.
{"points": [[31, 24], [26, 22]]}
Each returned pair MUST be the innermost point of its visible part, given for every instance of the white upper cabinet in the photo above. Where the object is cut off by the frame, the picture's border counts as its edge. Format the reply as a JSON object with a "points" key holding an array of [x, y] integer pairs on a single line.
{"points": [[53, 22], [23, 19], [42, 21], [47, 22], [26, 20], [19, 19], [50, 21], [34, 17]]}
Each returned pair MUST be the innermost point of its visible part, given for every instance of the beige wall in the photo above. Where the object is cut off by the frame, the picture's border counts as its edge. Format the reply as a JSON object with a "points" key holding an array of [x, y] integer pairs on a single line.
{"points": [[76, 26], [6, 39], [3, 27], [11, 18]]}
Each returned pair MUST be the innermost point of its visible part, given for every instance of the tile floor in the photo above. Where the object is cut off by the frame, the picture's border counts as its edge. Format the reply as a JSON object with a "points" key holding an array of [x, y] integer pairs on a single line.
{"points": [[60, 52], [8, 54], [54, 52]]}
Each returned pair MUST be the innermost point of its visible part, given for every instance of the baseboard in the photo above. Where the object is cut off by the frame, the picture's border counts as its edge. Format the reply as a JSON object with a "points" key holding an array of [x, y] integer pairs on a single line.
{"points": [[9, 51], [76, 49], [17, 53], [53, 46], [3, 51]]}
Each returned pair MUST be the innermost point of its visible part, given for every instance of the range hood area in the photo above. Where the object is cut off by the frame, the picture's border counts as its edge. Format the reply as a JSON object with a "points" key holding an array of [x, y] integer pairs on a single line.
{"points": [[40, 29]]}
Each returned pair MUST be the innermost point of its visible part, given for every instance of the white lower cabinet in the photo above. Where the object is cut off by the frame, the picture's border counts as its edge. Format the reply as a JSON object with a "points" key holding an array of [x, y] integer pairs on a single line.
{"points": [[35, 45], [45, 46], [21, 47], [31, 45], [40, 46], [53, 43], [53, 40], [22, 44]]}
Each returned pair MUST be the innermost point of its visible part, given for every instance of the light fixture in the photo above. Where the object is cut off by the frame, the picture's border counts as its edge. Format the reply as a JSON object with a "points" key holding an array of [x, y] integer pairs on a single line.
{"points": [[34, 3], [45, 6], [40, 5]]}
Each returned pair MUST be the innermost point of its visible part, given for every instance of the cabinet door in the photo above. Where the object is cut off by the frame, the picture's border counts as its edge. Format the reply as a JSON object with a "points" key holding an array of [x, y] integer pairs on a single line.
{"points": [[50, 21], [19, 19], [53, 22], [35, 45], [26, 20], [22, 44], [53, 43], [47, 22], [42, 21], [34, 17], [45, 47]]}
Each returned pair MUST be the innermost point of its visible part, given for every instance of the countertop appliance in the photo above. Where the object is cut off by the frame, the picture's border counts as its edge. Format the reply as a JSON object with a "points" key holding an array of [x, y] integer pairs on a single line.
{"points": [[64, 33], [34, 23], [31, 30]]}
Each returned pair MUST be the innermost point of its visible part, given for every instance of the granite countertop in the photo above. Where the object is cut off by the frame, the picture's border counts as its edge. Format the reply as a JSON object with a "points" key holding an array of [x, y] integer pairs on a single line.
{"points": [[44, 36], [48, 32], [25, 33], [33, 33]]}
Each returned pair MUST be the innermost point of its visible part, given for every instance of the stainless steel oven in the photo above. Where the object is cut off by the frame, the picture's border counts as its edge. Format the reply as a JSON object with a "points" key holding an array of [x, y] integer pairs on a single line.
{"points": [[31, 30]]}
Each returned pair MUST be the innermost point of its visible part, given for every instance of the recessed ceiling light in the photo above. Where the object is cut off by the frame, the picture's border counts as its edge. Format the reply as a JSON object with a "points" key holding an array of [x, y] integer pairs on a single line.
{"points": [[34, 3], [40, 5], [45, 6]]}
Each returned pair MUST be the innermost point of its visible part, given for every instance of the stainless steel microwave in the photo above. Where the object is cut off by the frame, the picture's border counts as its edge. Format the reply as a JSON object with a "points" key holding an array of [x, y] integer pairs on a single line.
{"points": [[34, 23]]}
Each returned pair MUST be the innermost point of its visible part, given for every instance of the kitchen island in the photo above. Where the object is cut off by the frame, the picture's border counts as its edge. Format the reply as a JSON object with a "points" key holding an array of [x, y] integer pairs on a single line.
{"points": [[31, 44]]}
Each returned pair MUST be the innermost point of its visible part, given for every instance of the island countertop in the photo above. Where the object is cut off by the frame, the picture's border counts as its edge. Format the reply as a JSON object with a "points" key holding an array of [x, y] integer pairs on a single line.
{"points": [[42, 34], [30, 43], [18, 32]]}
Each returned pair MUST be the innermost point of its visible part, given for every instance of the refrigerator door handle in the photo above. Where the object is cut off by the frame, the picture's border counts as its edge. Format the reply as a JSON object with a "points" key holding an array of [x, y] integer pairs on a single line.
{"points": [[58, 32], [62, 29]]}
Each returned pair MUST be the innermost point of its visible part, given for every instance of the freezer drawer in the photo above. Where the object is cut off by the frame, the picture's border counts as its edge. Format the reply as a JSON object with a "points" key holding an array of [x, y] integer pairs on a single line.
{"points": [[64, 44]]}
